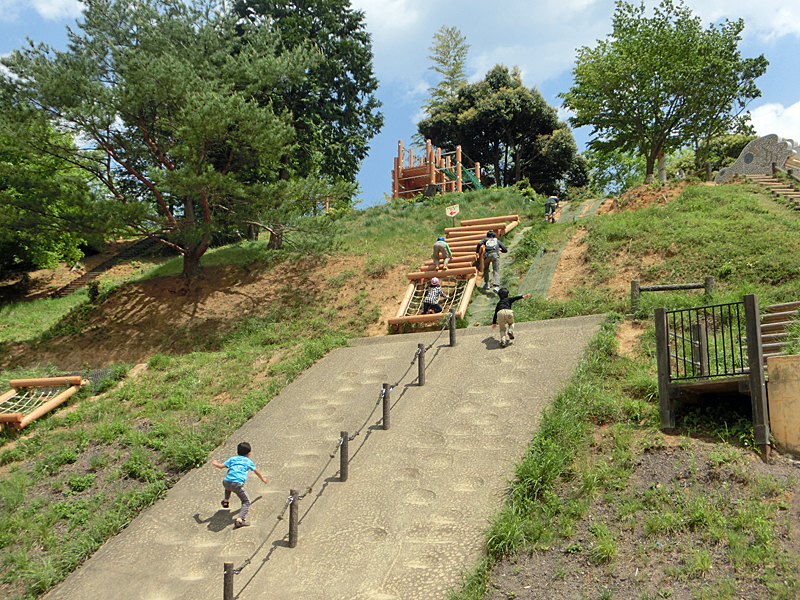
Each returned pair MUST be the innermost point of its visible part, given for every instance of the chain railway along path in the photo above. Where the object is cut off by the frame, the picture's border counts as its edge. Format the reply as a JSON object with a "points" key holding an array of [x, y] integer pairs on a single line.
{"points": [[412, 514]]}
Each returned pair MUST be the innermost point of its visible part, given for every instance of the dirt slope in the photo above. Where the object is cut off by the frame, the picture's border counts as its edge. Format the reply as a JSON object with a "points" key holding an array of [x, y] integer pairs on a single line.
{"points": [[166, 315]]}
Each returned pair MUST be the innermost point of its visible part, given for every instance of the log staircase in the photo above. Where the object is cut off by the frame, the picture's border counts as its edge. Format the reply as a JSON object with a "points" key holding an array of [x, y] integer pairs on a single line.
{"points": [[134, 249], [779, 188]]}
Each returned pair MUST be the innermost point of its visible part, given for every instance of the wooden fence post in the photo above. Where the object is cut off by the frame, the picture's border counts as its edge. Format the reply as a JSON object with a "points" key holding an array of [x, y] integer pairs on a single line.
{"points": [[758, 388], [666, 404], [451, 322], [635, 292], [700, 348], [708, 283]]}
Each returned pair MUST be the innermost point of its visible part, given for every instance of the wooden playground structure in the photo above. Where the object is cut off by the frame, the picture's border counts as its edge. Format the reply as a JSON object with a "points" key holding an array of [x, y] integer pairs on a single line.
{"points": [[29, 399], [430, 172], [459, 279]]}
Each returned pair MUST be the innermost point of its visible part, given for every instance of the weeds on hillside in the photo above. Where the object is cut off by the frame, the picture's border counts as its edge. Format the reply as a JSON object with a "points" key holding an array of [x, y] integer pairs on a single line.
{"points": [[598, 486]]}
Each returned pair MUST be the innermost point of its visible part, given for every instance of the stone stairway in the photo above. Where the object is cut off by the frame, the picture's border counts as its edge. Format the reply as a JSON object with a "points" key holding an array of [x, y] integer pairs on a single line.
{"points": [[133, 250], [780, 188]]}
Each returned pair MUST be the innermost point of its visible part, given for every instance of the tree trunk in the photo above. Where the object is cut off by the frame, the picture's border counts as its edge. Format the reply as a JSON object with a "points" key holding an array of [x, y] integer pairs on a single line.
{"points": [[276, 237], [662, 167], [650, 162], [191, 259]]}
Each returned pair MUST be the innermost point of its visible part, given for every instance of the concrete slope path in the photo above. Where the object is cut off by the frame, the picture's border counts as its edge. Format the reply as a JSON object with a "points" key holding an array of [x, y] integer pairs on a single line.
{"points": [[411, 516]]}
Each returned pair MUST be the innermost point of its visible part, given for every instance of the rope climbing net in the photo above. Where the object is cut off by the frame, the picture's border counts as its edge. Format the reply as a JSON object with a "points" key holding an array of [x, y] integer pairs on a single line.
{"points": [[451, 286], [27, 402]]}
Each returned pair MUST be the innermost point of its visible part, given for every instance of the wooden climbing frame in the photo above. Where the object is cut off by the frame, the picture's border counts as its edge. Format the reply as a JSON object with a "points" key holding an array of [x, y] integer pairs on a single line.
{"points": [[442, 170], [29, 399], [459, 279]]}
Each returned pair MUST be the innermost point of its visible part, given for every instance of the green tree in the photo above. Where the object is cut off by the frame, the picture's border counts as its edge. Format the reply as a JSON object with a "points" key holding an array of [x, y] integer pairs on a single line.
{"points": [[614, 172], [163, 96], [659, 83], [449, 55], [510, 129], [334, 108], [46, 209]]}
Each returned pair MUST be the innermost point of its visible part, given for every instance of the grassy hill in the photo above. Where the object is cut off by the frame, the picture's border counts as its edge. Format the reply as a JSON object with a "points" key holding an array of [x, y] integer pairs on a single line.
{"points": [[217, 350]]}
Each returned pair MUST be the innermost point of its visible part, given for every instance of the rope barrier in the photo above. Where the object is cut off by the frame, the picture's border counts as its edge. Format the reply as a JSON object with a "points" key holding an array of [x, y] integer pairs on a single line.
{"points": [[332, 455]]}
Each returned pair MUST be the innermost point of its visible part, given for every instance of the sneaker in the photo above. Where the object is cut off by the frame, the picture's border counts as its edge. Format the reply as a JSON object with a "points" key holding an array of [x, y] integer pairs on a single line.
{"points": [[225, 504], [503, 344], [237, 524], [496, 289], [510, 334]]}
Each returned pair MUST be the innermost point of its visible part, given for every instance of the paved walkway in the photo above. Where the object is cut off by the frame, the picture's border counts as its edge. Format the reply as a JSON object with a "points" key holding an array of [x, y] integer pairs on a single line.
{"points": [[413, 512]]}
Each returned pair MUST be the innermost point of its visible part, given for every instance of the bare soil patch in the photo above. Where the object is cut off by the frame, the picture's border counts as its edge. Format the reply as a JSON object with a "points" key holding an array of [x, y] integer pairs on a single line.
{"points": [[171, 316]]}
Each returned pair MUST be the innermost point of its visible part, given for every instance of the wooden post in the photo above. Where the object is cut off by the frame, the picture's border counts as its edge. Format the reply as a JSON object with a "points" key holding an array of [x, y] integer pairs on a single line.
{"points": [[708, 283], [758, 389], [700, 349], [429, 157], [452, 325], [635, 295], [387, 405], [708, 171], [421, 364], [459, 183], [344, 457], [478, 170], [227, 581], [666, 405], [293, 518], [395, 180]]}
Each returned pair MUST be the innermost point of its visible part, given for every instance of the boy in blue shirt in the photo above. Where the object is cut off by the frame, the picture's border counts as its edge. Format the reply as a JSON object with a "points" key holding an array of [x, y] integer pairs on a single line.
{"points": [[238, 468]]}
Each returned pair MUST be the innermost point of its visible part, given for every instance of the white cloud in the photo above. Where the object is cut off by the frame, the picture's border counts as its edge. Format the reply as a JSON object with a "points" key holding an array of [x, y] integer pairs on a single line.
{"points": [[53, 10], [774, 118]]}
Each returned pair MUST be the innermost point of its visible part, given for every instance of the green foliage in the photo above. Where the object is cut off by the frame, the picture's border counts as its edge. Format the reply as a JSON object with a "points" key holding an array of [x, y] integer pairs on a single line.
{"points": [[178, 96], [449, 55], [334, 108], [45, 205], [80, 483], [510, 129], [615, 171], [658, 83]]}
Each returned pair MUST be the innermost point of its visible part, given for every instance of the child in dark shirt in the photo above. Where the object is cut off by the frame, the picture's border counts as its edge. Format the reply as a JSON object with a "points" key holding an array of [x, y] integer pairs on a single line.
{"points": [[504, 315]]}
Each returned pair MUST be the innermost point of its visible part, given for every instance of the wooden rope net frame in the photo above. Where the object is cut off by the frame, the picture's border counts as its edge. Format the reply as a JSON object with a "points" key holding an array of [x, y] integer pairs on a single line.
{"points": [[29, 399]]}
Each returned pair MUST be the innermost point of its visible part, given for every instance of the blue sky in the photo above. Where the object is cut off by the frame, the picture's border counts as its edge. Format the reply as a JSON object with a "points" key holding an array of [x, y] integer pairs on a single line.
{"points": [[539, 36]]}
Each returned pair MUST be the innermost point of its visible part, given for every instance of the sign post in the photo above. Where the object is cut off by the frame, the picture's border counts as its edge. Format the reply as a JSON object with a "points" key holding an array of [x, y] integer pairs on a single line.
{"points": [[452, 211]]}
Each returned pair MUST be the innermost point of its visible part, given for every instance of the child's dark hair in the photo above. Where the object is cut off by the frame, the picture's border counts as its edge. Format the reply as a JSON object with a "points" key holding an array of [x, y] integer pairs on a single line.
{"points": [[243, 449], [503, 293]]}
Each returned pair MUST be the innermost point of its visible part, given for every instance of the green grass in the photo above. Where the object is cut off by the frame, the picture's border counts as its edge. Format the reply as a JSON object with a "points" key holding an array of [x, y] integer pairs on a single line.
{"points": [[79, 477]]}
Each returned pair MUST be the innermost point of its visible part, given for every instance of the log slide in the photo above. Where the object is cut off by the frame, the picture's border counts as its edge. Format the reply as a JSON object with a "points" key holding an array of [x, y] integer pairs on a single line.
{"points": [[459, 279]]}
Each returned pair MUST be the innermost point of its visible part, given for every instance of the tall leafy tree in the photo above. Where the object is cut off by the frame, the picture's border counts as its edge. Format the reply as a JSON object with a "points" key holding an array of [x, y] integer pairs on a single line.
{"points": [[658, 83], [163, 96], [449, 56], [509, 128], [335, 111], [47, 210]]}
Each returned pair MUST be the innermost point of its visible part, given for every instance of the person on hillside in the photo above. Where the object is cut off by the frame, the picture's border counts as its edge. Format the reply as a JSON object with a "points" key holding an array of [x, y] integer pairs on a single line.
{"points": [[441, 251], [431, 300], [505, 316], [491, 247], [238, 468], [550, 206]]}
